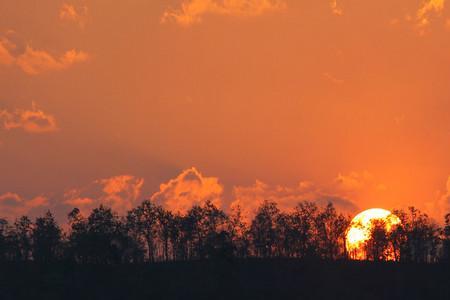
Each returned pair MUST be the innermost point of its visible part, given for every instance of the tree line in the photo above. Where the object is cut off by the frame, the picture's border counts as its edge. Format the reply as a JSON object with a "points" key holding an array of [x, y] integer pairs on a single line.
{"points": [[150, 233]]}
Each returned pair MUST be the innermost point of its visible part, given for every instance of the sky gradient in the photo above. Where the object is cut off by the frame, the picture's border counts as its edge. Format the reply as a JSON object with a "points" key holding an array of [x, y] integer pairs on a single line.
{"points": [[235, 101]]}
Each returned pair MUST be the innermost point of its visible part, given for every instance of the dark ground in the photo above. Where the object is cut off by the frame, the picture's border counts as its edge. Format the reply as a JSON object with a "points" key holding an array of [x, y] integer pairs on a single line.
{"points": [[250, 279]]}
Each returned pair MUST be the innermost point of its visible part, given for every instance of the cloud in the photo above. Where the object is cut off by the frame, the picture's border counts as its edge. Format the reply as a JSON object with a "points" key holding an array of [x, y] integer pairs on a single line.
{"points": [[13, 205], [335, 8], [249, 198], [6, 58], [70, 13], [429, 8], [187, 189], [78, 201], [330, 77], [356, 181], [192, 11], [31, 121], [348, 192], [33, 61], [121, 193], [360, 187], [446, 196], [441, 205]]}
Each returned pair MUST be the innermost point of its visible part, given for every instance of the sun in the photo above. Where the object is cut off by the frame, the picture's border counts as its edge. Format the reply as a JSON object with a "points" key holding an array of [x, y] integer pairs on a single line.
{"points": [[360, 227]]}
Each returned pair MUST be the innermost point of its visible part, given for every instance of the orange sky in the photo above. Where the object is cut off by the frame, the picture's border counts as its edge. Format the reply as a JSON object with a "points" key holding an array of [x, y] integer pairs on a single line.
{"points": [[114, 101]]}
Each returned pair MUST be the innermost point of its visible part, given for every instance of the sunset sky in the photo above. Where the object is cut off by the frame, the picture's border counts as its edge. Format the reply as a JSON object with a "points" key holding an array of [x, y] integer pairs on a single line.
{"points": [[235, 101]]}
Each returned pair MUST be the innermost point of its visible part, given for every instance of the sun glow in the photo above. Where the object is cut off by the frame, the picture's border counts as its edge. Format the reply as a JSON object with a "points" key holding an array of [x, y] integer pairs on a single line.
{"points": [[360, 230]]}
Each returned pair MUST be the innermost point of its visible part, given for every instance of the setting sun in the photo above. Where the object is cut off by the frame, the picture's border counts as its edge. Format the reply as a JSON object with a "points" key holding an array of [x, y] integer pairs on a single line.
{"points": [[360, 229]]}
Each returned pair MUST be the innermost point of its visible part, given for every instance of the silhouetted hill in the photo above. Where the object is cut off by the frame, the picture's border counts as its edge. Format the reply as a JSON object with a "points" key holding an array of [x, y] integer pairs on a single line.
{"points": [[238, 279]]}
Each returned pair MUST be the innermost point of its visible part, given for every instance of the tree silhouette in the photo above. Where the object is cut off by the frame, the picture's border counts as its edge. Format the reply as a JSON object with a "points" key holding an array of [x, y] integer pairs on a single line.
{"points": [[78, 243], [165, 219], [377, 247], [142, 225], [4, 240], [213, 226], [204, 231], [421, 236], [331, 229], [46, 238], [239, 233], [397, 241], [178, 238], [446, 238], [304, 241], [283, 234], [263, 229], [150, 233], [99, 239], [21, 239]]}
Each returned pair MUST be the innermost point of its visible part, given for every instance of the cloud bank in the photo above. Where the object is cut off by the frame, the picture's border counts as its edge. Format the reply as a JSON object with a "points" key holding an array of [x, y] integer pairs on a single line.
{"points": [[249, 198], [192, 11], [348, 193]]}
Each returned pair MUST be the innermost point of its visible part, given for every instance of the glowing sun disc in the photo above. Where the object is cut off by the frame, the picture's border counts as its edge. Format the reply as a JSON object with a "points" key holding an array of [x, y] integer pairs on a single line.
{"points": [[360, 227]]}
